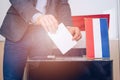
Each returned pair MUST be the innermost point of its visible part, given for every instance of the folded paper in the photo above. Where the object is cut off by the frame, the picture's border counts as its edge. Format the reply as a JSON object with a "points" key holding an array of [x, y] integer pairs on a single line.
{"points": [[63, 39]]}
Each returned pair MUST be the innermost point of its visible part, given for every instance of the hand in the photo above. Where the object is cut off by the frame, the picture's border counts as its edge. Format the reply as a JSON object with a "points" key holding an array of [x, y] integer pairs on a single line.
{"points": [[75, 31], [48, 22]]}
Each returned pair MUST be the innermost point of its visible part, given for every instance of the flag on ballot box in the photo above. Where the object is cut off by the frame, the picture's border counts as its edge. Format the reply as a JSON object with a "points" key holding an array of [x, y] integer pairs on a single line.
{"points": [[97, 41]]}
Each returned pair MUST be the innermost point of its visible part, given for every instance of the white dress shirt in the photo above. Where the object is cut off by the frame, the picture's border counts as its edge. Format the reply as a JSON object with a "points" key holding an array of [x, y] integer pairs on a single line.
{"points": [[40, 6]]}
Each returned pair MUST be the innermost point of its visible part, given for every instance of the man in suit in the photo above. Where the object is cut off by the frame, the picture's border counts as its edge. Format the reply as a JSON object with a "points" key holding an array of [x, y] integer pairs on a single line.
{"points": [[25, 27]]}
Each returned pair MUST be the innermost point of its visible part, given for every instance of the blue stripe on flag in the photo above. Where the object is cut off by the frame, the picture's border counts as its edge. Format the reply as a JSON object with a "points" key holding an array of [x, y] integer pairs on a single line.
{"points": [[104, 38]]}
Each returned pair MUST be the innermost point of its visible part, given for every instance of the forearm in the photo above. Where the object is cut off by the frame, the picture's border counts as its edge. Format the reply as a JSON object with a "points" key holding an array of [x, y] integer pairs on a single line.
{"points": [[24, 8]]}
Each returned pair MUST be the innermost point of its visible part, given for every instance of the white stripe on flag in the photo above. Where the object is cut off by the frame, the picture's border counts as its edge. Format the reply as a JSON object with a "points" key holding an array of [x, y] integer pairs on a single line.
{"points": [[97, 38]]}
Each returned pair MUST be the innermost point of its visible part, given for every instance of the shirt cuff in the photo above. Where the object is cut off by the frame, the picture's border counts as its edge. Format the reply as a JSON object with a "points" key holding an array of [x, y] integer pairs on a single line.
{"points": [[35, 16]]}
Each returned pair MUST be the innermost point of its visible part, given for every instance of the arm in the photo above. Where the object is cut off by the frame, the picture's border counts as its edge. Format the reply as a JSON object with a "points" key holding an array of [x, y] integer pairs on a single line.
{"points": [[24, 8]]}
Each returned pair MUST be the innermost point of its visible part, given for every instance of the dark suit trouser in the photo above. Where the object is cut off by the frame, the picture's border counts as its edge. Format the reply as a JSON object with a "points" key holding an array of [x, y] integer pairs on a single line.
{"points": [[34, 43]]}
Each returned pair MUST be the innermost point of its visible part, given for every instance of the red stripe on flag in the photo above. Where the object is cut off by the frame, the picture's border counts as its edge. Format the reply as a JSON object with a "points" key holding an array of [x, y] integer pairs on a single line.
{"points": [[89, 38], [79, 20]]}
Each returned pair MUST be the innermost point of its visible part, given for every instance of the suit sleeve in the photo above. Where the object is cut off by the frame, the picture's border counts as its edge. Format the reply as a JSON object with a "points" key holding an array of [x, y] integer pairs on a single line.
{"points": [[24, 8], [64, 13]]}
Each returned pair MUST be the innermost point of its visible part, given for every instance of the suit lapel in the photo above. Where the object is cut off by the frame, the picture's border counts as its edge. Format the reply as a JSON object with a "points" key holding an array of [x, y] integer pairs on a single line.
{"points": [[34, 2], [48, 5], [51, 7]]}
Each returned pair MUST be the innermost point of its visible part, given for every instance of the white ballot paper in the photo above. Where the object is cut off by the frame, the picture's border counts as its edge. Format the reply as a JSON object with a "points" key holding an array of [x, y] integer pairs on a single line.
{"points": [[63, 39]]}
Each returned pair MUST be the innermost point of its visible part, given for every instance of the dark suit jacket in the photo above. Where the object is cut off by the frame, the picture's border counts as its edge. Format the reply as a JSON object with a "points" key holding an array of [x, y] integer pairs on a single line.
{"points": [[19, 16]]}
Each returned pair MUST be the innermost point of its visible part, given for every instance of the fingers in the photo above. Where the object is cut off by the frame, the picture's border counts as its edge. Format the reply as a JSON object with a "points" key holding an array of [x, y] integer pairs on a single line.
{"points": [[70, 30], [52, 24], [49, 23], [77, 35], [75, 31], [43, 23]]}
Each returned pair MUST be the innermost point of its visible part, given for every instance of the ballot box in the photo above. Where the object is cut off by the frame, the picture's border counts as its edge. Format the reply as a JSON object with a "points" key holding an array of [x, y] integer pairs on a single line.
{"points": [[69, 68]]}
